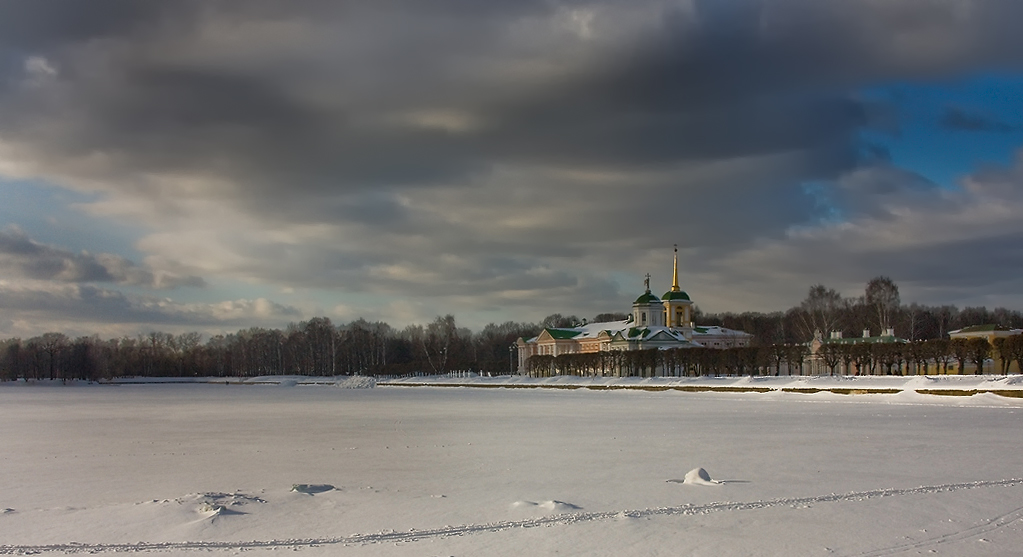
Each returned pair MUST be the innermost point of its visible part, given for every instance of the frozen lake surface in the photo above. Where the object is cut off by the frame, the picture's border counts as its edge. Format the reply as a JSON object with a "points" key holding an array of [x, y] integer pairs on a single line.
{"points": [[174, 469]]}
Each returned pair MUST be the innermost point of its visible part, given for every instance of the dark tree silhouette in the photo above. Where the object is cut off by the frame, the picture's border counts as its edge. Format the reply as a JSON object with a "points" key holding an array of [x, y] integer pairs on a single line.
{"points": [[882, 296]]}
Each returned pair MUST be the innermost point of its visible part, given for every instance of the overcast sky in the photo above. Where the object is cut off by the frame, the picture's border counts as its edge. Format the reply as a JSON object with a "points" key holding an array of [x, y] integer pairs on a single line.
{"points": [[198, 165]]}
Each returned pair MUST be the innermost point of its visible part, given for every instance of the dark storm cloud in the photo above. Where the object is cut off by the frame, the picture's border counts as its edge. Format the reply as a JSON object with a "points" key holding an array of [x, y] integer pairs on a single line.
{"points": [[463, 147], [932, 241], [741, 78], [1000, 253], [958, 119], [869, 191], [41, 25], [673, 95], [22, 257], [94, 306], [88, 303]]}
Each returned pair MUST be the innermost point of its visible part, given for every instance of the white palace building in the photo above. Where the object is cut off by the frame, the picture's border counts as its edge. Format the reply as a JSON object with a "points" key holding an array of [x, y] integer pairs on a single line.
{"points": [[663, 323]]}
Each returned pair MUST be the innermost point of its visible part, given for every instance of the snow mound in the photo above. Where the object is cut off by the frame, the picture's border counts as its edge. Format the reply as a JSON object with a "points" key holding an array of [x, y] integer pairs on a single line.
{"points": [[551, 507], [210, 509], [699, 476], [312, 489], [214, 504], [288, 383], [356, 382]]}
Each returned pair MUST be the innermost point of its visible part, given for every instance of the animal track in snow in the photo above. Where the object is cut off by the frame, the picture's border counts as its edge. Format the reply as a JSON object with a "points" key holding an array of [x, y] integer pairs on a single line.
{"points": [[959, 535]]}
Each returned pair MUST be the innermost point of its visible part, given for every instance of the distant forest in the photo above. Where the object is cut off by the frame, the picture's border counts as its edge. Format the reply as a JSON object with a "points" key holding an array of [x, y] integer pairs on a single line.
{"points": [[319, 347]]}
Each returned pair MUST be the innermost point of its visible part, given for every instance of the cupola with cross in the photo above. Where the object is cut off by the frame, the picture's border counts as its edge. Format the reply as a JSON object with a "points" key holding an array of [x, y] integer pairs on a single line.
{"points": [[648, 310]]}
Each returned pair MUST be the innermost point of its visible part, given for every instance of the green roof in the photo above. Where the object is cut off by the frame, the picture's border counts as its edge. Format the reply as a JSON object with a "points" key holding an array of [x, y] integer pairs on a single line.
{"points": [[672, 295], [982, 329], [562, 334], [647, 298], [637, 332]]}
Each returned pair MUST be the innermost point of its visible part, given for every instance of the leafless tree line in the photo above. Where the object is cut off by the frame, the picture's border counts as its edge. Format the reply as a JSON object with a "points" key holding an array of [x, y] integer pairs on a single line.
{"points": [[314, 347], [878, 309], [319, 347], [934, 356]]}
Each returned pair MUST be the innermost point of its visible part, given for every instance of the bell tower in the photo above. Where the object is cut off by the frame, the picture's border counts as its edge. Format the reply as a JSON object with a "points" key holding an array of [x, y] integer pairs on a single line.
{"points": [[678, 308]]}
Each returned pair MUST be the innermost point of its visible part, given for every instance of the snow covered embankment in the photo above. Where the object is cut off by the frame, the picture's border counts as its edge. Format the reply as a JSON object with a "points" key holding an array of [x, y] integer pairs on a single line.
{"points": [[343, 381], [1007, 386]]}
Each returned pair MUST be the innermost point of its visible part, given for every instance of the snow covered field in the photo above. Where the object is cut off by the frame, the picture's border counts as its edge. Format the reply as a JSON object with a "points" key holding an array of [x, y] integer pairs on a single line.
{"points": [[182, 468]]}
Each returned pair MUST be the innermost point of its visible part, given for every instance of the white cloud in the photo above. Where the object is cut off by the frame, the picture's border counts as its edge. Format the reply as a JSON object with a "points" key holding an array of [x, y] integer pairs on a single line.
{"points": [[39, 68]]}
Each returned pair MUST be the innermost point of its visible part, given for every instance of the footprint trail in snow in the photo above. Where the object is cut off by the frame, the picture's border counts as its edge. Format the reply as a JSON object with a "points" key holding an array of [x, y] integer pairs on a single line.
{"points": [[550, 520]]}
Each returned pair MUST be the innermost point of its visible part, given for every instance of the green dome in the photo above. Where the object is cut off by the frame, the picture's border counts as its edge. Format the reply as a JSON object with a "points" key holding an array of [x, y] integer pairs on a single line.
{"points": [[647, 298], [680, 295]]}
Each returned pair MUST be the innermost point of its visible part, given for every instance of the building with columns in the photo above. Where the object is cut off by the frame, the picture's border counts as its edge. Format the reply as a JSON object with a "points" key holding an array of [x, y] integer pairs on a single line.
{"points": [[664, 322]]}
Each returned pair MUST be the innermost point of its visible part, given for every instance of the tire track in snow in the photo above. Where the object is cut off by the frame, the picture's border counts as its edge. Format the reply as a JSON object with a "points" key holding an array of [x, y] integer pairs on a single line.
{"points": [[553, 520]]}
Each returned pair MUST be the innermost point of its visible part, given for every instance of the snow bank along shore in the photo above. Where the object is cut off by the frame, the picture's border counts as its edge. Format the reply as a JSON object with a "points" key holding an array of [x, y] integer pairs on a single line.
{"points": [[1010, 386], [341, 381], [1004, 386]]}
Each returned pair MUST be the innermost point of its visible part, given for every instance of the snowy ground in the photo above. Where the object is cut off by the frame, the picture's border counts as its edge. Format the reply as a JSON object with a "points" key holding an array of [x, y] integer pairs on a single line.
{"points": [[1009, 384], [180, 468]]}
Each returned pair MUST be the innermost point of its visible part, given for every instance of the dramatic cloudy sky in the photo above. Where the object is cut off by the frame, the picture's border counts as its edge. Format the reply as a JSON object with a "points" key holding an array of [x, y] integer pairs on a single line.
{"points": [[214, 165]]}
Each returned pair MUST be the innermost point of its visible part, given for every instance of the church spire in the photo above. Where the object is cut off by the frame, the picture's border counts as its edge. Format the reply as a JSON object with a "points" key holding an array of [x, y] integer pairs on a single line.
{"points": [[674, 280]]}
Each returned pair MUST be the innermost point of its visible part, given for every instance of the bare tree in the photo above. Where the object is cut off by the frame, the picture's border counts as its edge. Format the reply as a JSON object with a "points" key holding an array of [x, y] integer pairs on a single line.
{"points": [[606, 317], [820, 311], [831, 355], [882, 296], [918, 354], [960, 349], [999, 348], [863, 355], [979, 349], [795, 356], [53, 344], [437, 342], [940, 350], [1013, 347], [321, 340], [558, 321]]}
